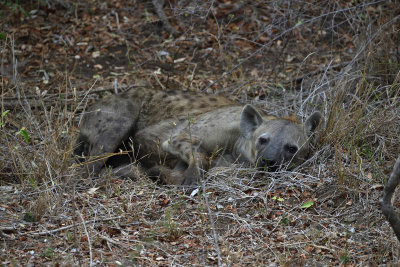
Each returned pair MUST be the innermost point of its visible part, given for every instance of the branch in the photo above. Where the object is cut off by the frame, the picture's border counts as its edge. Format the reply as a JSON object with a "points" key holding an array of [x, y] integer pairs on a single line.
{"points": [[48, 232], [215, 234], [87, 235], [158, 6], [386, 199]]}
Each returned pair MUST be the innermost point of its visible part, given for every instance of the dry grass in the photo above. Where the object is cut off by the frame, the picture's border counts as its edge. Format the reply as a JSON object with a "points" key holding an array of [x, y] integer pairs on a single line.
{"points": [[239, 216]]}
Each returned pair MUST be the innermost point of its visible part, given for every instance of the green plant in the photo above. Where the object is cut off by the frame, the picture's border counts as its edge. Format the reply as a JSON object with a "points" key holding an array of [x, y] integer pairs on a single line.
{"points": [[277, 198], [135, 254], [32, 182], [24, 134], [171, 227], [3, 114], [15, 7], [284, 219], [48, 253], [344, 257], [29, 217], [307, 204]]}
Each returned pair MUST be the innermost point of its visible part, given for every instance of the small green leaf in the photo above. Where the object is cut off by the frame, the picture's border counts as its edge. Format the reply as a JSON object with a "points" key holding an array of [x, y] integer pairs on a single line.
{"points": [[299, 23], [23, 11], [277, 198], [49, 253], [147, 15], [29, 217], [307, 205], [2, 36], [24, 134], [4, 113], [284, 219], [32, 182]]}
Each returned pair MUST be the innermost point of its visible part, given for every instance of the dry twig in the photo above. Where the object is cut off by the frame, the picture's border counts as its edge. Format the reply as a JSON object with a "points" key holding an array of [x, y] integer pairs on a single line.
{"points": [[158, 6], [385, 201], [70, 226]]}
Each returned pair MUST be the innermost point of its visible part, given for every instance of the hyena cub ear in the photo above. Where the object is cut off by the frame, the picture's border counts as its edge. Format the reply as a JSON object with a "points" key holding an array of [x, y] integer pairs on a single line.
{"points": [[313, 122], [250, 119]]}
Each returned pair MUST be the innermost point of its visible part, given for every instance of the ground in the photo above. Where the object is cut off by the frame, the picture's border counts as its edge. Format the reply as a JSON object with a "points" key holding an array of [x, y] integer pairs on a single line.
{"points": [[338, 57]]}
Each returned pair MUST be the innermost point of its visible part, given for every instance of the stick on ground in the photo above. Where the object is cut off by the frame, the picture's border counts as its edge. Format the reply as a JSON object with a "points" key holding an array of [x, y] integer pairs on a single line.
{"points": [[158, 6]]}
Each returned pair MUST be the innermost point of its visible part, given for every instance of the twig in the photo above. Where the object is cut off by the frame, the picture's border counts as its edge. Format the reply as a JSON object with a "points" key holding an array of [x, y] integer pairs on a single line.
{"points": [[158, 6], [386, 199], [318, 71], [88, 237], [110, 240], [47, 232], [215, 235], [7, 228]]}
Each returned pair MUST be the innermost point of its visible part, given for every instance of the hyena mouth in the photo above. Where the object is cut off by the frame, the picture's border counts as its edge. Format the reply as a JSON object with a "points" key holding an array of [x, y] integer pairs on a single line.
{"points": [[268, 165]]}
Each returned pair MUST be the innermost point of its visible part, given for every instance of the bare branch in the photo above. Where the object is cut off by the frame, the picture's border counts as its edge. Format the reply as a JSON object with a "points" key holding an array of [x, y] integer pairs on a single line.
{"points": [[158, 6], [385, 201], [48, 232]]}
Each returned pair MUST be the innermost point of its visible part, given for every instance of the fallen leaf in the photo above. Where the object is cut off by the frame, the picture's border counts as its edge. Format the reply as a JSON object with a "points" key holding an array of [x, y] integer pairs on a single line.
{"points": [[92, 190]]}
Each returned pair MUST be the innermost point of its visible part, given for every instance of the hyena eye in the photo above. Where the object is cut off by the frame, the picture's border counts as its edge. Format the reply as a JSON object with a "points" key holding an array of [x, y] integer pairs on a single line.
{"points": [[291, 149], [263, 140]]}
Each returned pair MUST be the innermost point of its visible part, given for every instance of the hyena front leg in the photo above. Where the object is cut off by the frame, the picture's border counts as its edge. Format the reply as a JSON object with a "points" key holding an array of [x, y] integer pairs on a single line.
{"points": [[188, 149], [166, 175]]}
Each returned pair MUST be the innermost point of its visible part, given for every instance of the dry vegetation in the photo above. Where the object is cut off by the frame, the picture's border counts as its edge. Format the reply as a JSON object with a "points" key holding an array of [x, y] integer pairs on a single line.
{"points": [[339, 57]]}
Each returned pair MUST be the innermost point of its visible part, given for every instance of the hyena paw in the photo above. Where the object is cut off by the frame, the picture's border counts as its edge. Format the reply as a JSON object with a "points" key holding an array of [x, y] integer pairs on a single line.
{"points": [[191, 177], [165, 175]]}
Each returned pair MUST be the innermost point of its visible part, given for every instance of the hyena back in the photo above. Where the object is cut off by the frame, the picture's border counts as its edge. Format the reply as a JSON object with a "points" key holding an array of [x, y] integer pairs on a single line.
{"points": [[176, 133]]}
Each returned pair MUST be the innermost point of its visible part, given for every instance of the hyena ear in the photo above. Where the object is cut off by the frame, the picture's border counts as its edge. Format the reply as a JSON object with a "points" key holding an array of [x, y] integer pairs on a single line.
{"points": [[312, 122], [250, 119]]}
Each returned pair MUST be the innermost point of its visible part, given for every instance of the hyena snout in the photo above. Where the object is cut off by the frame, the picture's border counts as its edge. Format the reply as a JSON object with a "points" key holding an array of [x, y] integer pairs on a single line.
{"points": [[273, 157], [270, 165], [268, 153]]}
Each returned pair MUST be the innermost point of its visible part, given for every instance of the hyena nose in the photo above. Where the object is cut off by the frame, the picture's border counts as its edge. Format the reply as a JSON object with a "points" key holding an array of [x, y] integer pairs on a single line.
{"points": [[267, 163], [270, 163]]}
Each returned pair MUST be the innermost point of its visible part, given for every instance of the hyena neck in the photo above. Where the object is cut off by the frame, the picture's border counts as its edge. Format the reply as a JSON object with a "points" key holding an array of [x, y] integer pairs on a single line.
{"points": [[243, 150]]}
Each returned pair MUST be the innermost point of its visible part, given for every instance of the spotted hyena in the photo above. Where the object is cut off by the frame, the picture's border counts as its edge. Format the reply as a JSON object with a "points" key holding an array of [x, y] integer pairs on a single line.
{"points": [[175, 134]]}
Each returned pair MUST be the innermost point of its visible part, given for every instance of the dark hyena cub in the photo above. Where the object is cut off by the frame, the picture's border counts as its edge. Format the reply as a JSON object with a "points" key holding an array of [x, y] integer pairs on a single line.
{"points": [[175, 133]]}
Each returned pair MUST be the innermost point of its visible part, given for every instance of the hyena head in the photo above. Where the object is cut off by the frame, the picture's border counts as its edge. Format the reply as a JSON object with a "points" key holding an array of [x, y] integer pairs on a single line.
{"points": [[273, 142]]}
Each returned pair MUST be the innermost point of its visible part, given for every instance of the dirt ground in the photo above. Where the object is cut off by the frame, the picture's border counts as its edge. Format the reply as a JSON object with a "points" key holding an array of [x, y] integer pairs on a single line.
{"points": [[338, 57]]}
